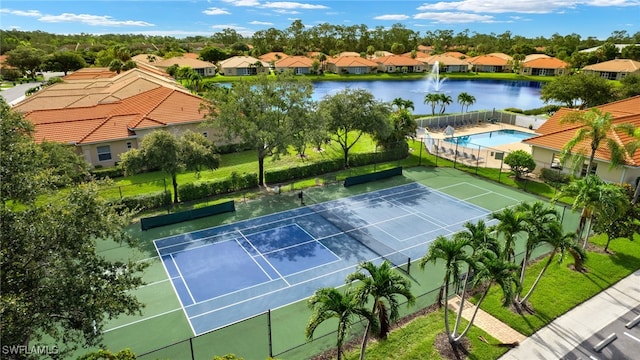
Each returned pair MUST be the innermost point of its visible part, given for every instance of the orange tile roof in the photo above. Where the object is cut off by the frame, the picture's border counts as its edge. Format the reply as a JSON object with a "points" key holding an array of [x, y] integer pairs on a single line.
{"points": [[546, 63], [273, 56], [91, 73], [397, 60], [294, 61], [488, 60], [159, 107], [351, 61], [554, 134], [617, 65]]}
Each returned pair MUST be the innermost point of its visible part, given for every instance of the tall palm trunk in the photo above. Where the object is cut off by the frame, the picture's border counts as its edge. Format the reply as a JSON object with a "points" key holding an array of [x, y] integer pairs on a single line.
{"points": [[535, 283], [365, 338], [447, 327], [473, 317], [459, 315]]}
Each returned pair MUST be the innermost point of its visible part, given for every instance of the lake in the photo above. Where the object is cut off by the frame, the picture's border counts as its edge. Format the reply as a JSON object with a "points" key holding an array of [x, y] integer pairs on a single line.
{"points": [[489, 94]]}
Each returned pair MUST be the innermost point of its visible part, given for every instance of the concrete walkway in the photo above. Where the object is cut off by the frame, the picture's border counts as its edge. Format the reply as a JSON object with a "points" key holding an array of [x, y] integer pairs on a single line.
{"points": [[569, 330], [487, 322]]}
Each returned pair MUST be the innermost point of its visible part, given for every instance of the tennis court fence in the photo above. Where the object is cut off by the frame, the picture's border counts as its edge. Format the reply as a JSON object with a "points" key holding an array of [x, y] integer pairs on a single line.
{"points": [[279, 333]]}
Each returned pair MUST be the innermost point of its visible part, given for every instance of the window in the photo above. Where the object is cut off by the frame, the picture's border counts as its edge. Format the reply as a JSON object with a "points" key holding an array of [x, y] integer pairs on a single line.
{"points": [[555, 162], [205, 134], [129, 145], [594, 169], [104, 153]]}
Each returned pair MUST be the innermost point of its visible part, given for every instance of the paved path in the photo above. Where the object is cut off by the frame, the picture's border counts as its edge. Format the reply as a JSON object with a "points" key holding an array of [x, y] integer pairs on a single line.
{"points": [[566, 332], [488, 323]]}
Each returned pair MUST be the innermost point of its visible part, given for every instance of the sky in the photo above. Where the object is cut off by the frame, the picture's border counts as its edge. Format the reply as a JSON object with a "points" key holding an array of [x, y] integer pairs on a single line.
{"points": [[528, 18]]}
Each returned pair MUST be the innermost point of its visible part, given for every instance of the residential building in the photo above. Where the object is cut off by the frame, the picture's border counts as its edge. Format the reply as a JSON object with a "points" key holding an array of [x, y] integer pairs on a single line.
{"points": [[203, 68], [105, 117], [446, 63], [351, 65], [243, 65], [546, 147], [299, 65], [616, 69], [273, 57], [397, 63], [544, 66], [491, 63]]}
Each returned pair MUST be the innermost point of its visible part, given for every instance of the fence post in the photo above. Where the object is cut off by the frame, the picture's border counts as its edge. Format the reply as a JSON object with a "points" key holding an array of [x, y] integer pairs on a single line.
{"points": [[269, 332], [409, 265], [420, 156], [191, 346]]}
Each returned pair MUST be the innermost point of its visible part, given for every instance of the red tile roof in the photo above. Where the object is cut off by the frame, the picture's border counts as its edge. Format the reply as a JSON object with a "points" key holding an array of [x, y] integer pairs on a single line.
{"points": [[294, 61], [159, 107], [555, 134], [351, 61], [397, 60], [546, 63]]}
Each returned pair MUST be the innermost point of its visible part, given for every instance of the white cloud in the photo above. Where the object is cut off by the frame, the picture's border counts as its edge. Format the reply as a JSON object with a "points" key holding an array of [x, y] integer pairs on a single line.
{"points": [[292, 5], [286, 12], [453, 18], [30, 13], [94, 20], [242, 2], [215, 11], [391, 17], [526, 7], [260, 23]]}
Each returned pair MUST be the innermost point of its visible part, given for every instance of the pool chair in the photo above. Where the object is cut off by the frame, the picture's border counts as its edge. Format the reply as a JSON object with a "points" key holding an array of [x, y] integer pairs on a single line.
{"points": [[450, 152], [476, 159], [466, 156]]}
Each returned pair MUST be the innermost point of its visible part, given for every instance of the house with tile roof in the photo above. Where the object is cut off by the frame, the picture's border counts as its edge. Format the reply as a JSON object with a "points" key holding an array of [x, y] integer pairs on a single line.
{"points": [[348, 53], [243, 65], [397, 63], [553, 135], [273, 57], [105, 117], [351, 65], [203, 68], [299, 65], [544, 66], [446, 63], [491, 63], [616, 69]]}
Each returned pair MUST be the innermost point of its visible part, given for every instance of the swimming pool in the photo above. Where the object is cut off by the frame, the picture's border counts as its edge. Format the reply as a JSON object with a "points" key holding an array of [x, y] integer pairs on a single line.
{"points": [[491, 139]]}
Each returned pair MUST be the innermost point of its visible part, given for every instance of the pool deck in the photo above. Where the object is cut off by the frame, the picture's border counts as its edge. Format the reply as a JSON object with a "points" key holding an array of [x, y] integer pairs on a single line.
{"points": [[487, 154]]}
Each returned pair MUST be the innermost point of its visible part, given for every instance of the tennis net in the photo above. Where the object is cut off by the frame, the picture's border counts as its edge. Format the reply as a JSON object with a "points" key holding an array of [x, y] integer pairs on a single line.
{"points": [[356, 228]]}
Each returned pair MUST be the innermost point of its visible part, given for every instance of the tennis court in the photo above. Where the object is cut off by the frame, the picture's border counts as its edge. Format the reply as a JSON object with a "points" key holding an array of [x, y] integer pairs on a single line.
{"points": [[231, 272]]}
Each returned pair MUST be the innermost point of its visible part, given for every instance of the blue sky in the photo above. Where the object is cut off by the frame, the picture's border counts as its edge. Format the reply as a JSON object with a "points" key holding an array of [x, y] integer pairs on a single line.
{"points": [[529, 18]]}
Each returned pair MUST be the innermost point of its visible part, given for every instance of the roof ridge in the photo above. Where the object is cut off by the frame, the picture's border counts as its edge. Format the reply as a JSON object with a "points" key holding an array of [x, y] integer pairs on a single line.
{"points": [[106, 118]]}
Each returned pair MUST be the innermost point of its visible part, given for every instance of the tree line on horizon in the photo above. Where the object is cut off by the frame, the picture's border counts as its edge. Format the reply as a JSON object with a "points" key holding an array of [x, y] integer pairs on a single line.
{"points": [[297, 39]]}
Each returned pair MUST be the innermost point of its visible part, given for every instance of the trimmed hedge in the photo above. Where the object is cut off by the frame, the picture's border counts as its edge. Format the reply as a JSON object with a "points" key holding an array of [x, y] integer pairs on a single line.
{"points": [[147, 201], [110, 172], [323, 167], [203, 189]]}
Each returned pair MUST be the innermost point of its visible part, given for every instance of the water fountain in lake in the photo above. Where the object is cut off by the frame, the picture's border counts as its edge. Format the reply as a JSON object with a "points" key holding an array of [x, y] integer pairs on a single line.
{"points": [[434, 83]]}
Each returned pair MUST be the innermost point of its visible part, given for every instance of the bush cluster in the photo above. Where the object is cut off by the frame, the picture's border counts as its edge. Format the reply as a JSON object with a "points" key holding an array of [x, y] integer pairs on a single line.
{"points": [[554, 176], [110, 172], [147, 201], [323, 167], [203, 189]]}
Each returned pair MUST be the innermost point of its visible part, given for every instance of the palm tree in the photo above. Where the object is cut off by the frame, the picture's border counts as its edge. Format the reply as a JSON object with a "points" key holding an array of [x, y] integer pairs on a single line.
{"points": [[444, 100], [403, 104], [329, 303], [631, 149], [536, 216], [481, 240], [595, 128], [511, 223], [465, 99], [432, 99], [383, 284], [561, 243], [453, 253]]}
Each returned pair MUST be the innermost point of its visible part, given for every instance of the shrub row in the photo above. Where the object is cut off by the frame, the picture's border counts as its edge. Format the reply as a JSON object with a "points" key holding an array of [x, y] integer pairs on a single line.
{"points": [[554, 176], [110, 172], [147, 201], [323, 167], [203, 189]]}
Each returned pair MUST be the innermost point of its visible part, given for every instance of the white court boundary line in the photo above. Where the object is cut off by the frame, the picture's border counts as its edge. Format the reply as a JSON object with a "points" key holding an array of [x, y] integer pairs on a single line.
{"points": [[292, 218]]}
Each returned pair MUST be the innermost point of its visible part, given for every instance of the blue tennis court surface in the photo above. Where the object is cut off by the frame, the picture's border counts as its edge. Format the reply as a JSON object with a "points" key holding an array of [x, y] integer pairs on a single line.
{"points": [[231, 272]]}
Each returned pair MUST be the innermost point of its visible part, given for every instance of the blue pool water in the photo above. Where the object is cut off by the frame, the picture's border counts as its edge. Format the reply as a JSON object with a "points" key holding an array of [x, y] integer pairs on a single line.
{"points": [[490, 139]]}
